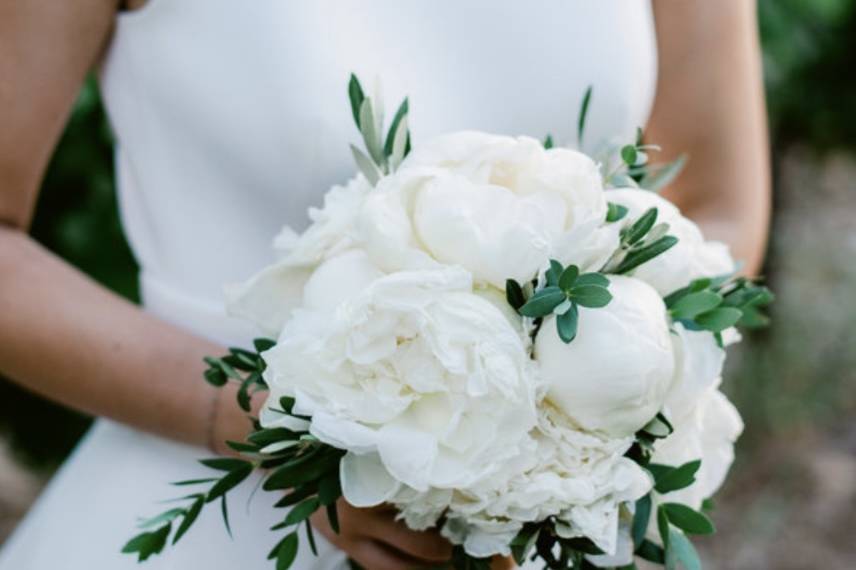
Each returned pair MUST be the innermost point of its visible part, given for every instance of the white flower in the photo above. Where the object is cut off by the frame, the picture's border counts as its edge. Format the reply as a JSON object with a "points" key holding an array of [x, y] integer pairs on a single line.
{"points": [[497, 206], [582, 479], [709, 434], [698, 368], [268, 298], [691, 258], [614, 376], [414, 368]]}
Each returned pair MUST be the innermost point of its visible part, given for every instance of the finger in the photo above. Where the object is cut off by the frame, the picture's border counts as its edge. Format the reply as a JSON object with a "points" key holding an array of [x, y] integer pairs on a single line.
{"points": [[425, 545], [502, 563]]}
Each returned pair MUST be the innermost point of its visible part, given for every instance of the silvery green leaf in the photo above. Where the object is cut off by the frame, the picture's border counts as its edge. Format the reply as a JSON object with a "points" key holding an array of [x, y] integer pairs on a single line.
{"points": [[660, 176], [399, 145], [621, 180], [681, 550], [378, 107], [719, 319], [562, 307], [656, 233], [691, 305], [278, 446], [370, 134], [366, 166], [636, 258]]}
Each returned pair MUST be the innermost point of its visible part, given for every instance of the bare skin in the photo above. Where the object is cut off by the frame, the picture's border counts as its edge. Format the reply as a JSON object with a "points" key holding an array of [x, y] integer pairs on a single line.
{"points": [[65, 337]]}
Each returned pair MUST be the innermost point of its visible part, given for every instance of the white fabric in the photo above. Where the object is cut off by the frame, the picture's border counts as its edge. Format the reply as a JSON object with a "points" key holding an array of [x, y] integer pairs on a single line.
{"points": [[232, 118]]}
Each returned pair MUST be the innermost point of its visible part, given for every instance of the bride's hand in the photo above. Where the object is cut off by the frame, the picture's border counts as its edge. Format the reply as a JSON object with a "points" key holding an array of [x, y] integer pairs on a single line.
{"points": [[375, 540]]}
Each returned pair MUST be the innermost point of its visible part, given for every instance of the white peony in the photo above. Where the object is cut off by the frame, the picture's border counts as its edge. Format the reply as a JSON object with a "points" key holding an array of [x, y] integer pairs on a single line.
{"points": [[698, 368], [613, 378], [497, 206], [268, 298], [412, 371], [691, 258], [582, 479], [707, 433]]}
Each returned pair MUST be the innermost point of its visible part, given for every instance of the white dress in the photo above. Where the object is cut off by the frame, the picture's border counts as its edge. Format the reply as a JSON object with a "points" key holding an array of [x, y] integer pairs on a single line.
{"points": [[231, 119]]}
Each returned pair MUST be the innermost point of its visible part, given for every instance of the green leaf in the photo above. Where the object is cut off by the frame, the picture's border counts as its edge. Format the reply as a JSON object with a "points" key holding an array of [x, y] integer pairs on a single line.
{"points": [[629, 154], [581, 120], [188, 519], [356, 96], [263, 344], [229, 482], [225, 463], [651, 552], [641, 518], [400, 114], [692, 305], [224, 511], [543, 302], [399, 147], [663, 526], [366, 166], [552, 274], [675, 478], [641, 226], [514, 294], [636, 258], [287, 552], [659, 427], [333, 517], [681, 550], [312, 466], [566, 324], [215, 376], [598, 279], [193, 481], [719, 319], [148, 543], [662, 175], [242, 447], [688, 519], [329, 489], [310, 537], [615, 212], [523, 543], [591, 296], [302, 511], [165, 517], [568, 277], [548, 142]]}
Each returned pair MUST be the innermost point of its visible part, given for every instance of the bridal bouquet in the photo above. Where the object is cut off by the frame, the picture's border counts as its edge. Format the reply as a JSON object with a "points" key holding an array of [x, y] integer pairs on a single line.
{"points": [[504, 339]]}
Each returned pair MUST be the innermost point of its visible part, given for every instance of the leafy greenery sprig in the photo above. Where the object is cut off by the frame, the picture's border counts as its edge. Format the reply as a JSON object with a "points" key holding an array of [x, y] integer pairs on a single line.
{"points": [[716, 304], [292, 460], [630, 166], [565, 290], [640, 242], [382, 156]]}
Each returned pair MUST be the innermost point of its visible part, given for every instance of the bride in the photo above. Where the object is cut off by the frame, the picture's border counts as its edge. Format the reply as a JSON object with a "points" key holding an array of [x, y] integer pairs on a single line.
{"points": [[230, 117]]}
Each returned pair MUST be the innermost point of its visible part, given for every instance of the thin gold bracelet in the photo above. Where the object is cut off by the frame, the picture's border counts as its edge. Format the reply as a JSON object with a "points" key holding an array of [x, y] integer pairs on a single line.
{"points": [[213, 414]]}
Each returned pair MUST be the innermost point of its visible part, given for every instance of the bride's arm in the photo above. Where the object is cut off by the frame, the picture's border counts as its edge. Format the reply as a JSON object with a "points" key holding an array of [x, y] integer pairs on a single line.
{"points": [[66, 337], [61, 334], [710, 104]]}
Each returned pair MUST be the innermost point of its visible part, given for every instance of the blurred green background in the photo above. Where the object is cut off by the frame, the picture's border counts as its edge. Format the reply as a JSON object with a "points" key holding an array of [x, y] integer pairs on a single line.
{"points": [[791, 499]]}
